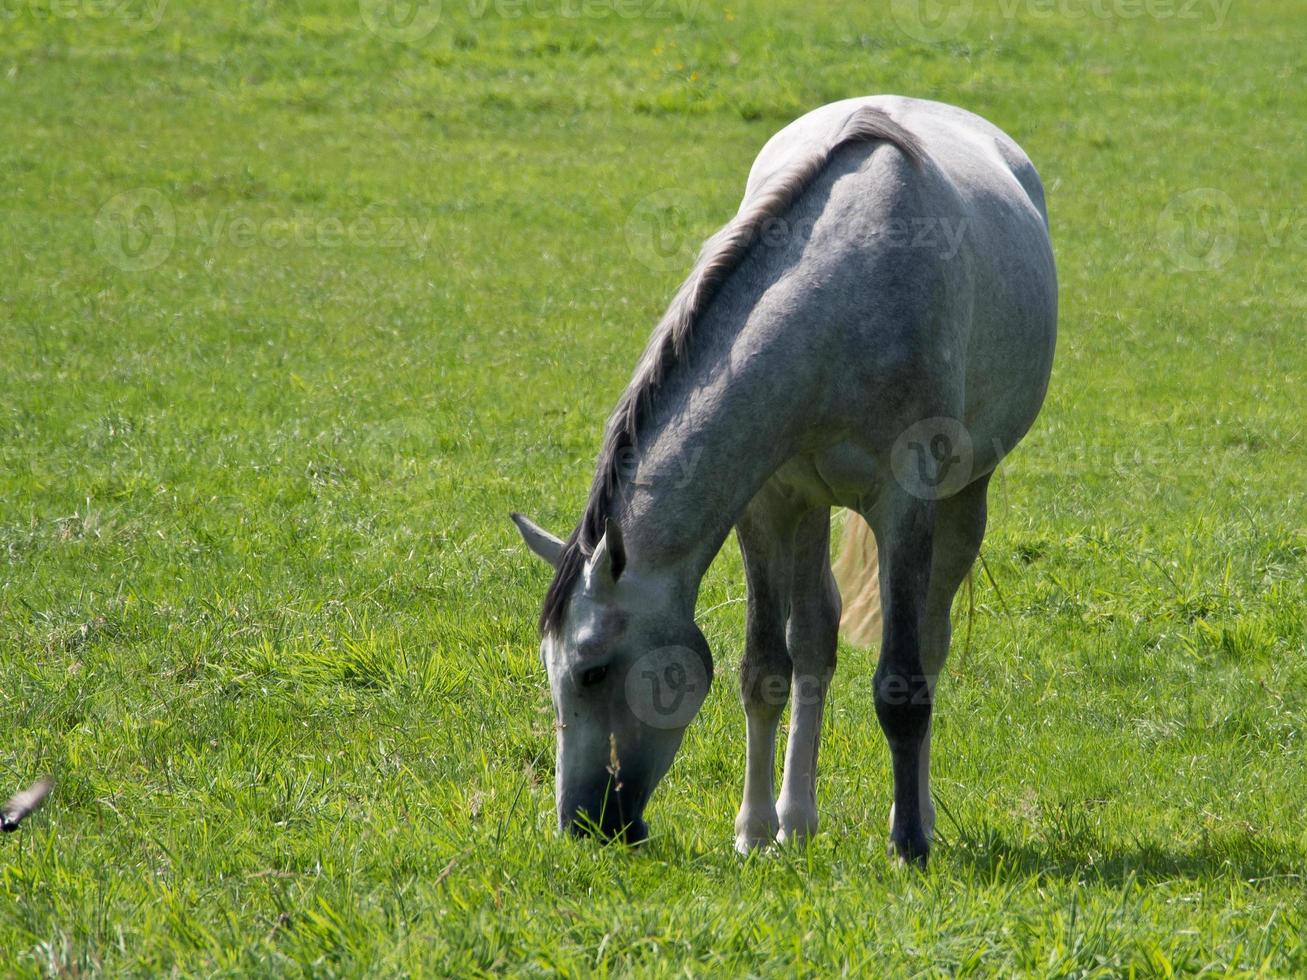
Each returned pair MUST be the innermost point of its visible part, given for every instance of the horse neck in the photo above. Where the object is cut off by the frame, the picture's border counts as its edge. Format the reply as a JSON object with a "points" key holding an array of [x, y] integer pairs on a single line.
{"points": [[720, 425]]}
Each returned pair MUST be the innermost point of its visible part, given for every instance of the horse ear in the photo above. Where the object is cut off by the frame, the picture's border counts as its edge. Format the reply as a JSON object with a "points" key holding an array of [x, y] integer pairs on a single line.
{"points": [[609, 558], [540, 541]]}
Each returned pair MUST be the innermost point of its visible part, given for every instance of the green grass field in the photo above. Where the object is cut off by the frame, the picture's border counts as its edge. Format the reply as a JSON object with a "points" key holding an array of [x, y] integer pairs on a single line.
{"points": [[301, 298]]}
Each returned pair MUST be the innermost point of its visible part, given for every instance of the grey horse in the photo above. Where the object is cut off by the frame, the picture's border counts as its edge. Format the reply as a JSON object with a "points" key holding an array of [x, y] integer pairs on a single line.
{"points": [[873, 330]]}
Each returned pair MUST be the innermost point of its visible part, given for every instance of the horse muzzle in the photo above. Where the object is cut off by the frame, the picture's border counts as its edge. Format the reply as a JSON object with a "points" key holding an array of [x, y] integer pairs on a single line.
{"points": [[611, 810]]}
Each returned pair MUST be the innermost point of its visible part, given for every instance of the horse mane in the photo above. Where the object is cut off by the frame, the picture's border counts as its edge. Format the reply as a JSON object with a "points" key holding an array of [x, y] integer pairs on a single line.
{"points": [[720, 256]]}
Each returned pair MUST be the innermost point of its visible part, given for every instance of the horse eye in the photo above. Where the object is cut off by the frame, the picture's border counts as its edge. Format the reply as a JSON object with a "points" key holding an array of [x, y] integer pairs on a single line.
{"points": [[594, 675]]}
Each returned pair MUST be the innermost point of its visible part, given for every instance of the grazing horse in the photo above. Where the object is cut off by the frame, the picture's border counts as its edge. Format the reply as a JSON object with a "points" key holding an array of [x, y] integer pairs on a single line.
{"points": [[874, 330]]}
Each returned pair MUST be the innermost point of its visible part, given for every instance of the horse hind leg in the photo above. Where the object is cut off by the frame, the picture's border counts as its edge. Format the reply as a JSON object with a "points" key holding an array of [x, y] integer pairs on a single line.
{"points": [[959, 530], [812, 637], [905, 532]]}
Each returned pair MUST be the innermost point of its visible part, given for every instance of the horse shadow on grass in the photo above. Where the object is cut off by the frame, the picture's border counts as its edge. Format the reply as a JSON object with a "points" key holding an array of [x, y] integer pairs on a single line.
{"points": [[1090, 857]]}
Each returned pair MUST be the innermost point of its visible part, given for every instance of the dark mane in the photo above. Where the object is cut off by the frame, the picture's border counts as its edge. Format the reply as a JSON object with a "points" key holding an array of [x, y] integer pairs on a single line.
{"points": [[718, 258]]}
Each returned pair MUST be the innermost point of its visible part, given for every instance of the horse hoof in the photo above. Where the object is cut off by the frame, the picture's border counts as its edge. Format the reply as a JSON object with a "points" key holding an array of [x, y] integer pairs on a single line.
{"points": [[797, 825], [909, 850], [753, 833], [746, 844]]}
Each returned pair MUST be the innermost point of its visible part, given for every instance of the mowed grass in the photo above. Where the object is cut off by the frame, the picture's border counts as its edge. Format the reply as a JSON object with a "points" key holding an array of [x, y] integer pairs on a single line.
{"points": [[263, 615]]}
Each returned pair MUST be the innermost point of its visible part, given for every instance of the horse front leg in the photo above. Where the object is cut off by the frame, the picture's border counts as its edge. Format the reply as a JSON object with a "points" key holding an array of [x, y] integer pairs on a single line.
{"points": [[766, 545], [812, 635]]}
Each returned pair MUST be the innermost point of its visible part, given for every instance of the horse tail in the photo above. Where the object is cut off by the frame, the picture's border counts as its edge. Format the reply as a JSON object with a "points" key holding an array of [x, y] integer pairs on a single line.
{"points": [[857, 573]]}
